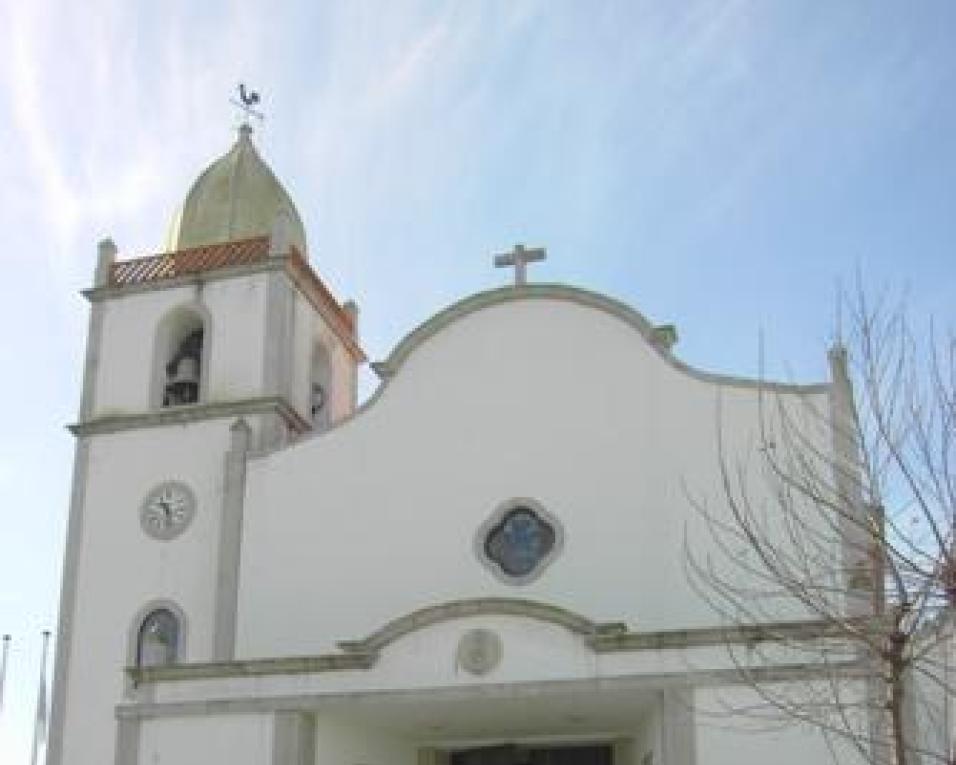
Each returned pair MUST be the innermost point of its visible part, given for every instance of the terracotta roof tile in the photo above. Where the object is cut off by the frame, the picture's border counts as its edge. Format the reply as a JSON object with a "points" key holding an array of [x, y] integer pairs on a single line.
{"points": [[168, 265]]}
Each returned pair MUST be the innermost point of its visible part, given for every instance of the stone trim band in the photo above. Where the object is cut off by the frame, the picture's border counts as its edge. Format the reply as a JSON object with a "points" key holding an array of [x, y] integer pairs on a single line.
{"points": [[605, 637]]}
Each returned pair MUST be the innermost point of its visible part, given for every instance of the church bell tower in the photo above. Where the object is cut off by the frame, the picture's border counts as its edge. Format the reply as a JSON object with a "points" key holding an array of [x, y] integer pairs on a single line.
{"points": [[226, 344]]}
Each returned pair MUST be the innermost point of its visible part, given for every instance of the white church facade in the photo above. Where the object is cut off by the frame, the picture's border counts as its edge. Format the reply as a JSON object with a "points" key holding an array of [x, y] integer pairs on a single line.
{"points": [[483, 564]]}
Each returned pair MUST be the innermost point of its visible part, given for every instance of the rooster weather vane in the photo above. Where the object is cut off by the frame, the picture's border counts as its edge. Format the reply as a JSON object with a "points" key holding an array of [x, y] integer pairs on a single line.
{"points": [[247, 101]]}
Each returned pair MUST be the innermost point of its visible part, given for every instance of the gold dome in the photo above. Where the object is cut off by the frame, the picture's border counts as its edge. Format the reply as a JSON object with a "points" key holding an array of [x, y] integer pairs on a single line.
{"points": [[236, 197]]}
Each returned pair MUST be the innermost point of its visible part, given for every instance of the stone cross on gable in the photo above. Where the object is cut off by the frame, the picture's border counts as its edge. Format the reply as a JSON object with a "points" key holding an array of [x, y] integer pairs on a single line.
{"points": [[519, 257]]}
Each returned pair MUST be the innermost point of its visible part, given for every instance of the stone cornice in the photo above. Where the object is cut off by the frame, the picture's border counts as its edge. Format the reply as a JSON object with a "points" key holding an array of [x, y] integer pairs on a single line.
{"points": [[749, 634], [459, 609], [293, 665], [605, 637], [191, 413], [145, 708]]}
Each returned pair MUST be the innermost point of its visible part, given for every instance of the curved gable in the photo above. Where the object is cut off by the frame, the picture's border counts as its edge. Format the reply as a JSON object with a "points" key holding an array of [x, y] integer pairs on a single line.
{"points": [[630, 316]]}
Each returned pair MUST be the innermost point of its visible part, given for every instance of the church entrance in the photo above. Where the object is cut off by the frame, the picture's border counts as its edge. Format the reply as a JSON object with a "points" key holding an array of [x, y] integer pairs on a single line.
{"points": [[512, 754]]}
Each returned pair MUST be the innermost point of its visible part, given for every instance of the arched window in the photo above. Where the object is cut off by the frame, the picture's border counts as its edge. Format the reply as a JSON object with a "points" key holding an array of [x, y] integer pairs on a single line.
{"points": [[157, 641], [180, 357], [320, 387]]}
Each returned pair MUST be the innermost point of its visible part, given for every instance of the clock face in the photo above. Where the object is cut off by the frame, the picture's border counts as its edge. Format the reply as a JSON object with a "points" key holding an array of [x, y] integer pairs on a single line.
{"points": [[167, 510]]}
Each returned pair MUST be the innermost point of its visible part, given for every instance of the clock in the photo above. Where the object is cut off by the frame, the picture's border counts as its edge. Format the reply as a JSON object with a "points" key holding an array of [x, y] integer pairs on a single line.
{"points": [[167, 510]]}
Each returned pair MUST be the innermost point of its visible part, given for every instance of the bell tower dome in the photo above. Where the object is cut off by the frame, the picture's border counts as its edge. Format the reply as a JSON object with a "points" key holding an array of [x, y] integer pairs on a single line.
{"points": [[236, 197]]}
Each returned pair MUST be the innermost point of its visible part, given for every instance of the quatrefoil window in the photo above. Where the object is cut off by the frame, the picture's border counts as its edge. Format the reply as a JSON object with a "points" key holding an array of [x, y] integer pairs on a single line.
{"points": [[518, 541]]}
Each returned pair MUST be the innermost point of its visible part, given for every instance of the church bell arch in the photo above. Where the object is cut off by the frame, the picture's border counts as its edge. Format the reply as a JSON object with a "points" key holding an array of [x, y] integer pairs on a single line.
{"points": [[181, 350], [320, 386]]}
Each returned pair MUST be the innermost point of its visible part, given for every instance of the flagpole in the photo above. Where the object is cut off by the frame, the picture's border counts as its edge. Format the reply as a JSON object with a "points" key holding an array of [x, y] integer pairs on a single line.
{"points": [[39, 730], [3, 667]]}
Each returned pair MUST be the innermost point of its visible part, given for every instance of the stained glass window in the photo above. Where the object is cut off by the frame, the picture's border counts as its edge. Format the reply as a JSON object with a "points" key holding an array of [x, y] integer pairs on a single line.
{"points": [[520, 541], [158, 639]]}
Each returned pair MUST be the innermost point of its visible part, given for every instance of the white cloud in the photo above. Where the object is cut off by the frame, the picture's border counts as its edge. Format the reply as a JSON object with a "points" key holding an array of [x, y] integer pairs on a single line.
{"points": [[34, 129]]}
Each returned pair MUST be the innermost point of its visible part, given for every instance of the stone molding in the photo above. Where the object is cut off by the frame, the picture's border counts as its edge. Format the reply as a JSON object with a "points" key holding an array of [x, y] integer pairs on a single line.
{"points": [[459, 609], [136, 624], [148, 709], [363, 654], [607, 637], [496, 517], [616, 308], [178, 415], [750, 634], [292, 665], [479, 651]]}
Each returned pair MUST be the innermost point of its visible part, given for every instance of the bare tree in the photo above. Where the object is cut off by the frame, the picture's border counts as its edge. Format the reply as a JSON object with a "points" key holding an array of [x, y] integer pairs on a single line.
{"points": [[846, 518]]}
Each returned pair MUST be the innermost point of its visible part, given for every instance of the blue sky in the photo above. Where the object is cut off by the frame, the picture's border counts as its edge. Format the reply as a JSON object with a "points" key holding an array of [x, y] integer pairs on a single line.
{"points": [[719, 165]]}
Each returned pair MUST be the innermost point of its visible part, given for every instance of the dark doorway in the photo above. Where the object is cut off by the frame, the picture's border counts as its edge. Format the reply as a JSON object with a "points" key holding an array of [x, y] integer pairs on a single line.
{"points": [[511, 754]]}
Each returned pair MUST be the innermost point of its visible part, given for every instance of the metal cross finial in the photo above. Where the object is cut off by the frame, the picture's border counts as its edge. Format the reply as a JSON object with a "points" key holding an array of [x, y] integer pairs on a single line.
{"points": [[519, 257], [247, 100]]}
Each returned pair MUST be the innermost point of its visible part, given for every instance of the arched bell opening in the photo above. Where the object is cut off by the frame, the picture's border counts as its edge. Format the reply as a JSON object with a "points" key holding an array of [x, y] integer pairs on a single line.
{"points": [[320, 387], [181, 358]]}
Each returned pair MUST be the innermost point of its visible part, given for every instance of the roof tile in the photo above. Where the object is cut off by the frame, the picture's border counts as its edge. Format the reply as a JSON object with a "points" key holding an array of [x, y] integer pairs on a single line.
{"points": [[168, 265]]}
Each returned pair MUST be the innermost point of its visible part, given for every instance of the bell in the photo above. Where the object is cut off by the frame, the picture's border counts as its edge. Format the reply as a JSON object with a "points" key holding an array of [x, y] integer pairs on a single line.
{"points": [[187, 371], [183, 385]]}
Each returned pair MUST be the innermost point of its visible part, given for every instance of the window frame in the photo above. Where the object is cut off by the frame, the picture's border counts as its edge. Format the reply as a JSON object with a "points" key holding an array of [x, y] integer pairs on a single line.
{"points": [[496, 519], [139, 621]]}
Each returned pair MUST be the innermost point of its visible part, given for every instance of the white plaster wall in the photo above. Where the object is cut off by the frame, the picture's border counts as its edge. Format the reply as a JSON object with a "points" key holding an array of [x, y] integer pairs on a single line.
{"points": [[302, 339], [126, 366], [208, 740], [542, 398], [120, 569], [240, 306], [531, 650], [721, 741], [338, 742]]}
